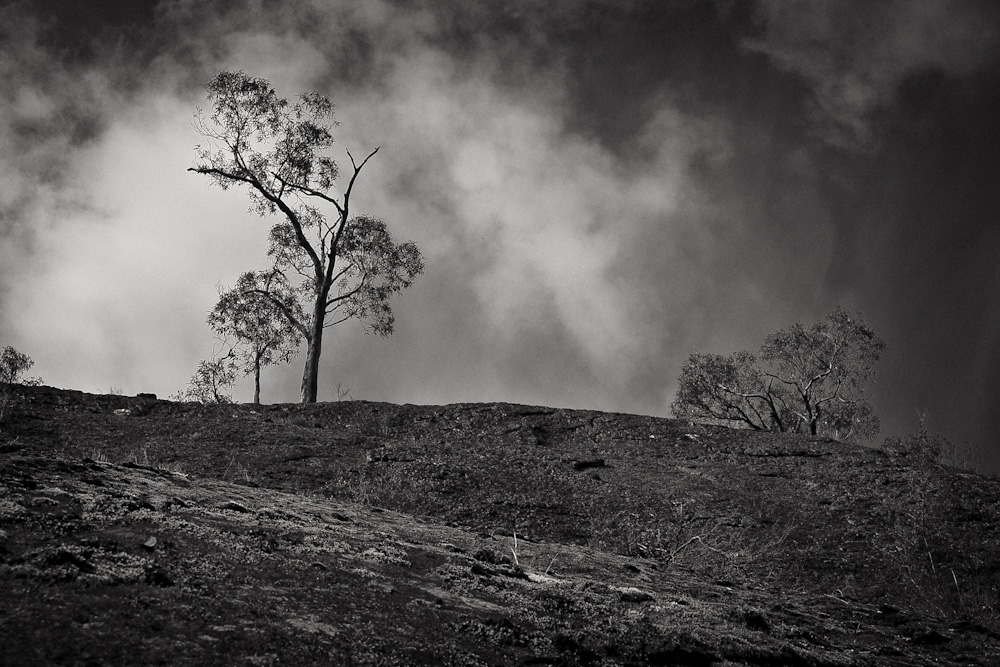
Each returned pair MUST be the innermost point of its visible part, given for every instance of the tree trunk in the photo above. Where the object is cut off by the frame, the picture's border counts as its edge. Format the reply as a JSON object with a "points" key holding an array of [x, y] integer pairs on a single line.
{"points": [[256, 380], [310, 374]]}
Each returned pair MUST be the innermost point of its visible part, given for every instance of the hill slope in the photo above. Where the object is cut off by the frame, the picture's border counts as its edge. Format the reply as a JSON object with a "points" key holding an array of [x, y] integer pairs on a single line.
{"points": [[140, 531]]}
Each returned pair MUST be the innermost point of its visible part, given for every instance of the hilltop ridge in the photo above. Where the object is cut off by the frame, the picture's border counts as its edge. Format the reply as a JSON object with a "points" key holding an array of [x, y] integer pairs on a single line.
{"points": [[477, 534]]}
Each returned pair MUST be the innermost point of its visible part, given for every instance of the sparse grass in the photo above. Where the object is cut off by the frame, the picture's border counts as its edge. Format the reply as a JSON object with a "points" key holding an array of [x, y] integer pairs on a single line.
{"points": [[98, 456], [6, 402], [367, 486], [940, 576], [513, 551], [141, 457], [375, 425], [927, 446], [521, 560], [677, 533], [717, 548], [238, 471], [816, 517]]}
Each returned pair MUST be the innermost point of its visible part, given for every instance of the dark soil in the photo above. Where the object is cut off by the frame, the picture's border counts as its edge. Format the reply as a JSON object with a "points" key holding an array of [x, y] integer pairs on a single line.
{"points": [[137, 531]]}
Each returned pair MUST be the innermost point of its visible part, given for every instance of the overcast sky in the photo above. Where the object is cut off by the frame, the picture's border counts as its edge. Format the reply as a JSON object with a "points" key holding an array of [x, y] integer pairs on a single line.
{"points": [[599, 190]]}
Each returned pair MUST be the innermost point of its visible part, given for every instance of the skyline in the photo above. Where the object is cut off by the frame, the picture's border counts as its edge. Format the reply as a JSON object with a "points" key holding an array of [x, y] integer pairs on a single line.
{"points": [[599, 190]]}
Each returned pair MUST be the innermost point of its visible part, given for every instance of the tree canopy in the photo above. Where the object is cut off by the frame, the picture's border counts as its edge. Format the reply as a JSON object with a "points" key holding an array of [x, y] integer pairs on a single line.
{"points": [[13, 366], [259, 334], [806, 379], [210, 382]]}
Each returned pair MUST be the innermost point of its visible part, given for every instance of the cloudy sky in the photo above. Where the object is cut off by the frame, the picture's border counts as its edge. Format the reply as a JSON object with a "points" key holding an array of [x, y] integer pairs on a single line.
{"points": [[599, 188]]}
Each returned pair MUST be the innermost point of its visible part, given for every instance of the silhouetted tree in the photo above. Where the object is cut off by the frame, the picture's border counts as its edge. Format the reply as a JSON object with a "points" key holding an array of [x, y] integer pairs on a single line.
{"points": [[344, 266], [805, 380], [263, 335], [13, 365]]}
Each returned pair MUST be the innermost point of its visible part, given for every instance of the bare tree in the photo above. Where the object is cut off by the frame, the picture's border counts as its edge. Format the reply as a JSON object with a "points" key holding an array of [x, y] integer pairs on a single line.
{"points": [[263, 335], [345, 266], [805, 380]]}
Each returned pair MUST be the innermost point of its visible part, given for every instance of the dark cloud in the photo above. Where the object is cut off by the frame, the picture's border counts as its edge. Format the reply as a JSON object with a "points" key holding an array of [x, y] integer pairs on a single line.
{"points": [[49, 110], [908, 90], [856, 55]]}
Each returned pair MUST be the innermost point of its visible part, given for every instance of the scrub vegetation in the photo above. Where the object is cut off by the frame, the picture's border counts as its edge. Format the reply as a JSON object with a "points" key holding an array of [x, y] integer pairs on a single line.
{"points": [[136, 530], [13, 366], [813, 379]]}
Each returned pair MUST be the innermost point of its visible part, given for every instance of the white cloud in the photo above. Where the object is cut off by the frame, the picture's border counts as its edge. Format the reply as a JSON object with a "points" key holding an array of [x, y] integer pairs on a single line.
{"points": [[542, 215], [117, 293]]}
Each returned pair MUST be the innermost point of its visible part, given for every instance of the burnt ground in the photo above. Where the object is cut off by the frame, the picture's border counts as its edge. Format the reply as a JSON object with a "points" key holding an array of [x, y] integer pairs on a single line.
{"points": [[136, 531]]}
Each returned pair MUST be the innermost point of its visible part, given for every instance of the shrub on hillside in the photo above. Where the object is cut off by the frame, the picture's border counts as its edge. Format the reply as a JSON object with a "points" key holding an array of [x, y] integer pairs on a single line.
{"points": [[13, 366], [920, 446], [927, 446], [210, 382], [805, 380]]}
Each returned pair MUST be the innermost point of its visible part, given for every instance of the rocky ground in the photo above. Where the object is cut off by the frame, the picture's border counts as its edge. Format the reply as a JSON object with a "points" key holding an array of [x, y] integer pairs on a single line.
{"points": [[137, 531]]}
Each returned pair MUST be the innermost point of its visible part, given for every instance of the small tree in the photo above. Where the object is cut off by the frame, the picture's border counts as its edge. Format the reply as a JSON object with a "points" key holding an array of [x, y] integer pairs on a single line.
{"points": [[13, 365], [805, 380], [344, 266], [210, 382], [263, 335]]}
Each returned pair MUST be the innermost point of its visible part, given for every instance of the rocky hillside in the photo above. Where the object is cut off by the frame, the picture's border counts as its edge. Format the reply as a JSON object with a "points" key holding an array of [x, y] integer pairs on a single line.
{"points": [[137, 531]]}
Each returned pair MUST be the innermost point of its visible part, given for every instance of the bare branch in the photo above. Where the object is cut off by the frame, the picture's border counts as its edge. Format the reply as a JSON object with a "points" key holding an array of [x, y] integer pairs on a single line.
{"points": [[311, 192], [357, 170], [331, 324], [345, 295]]}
